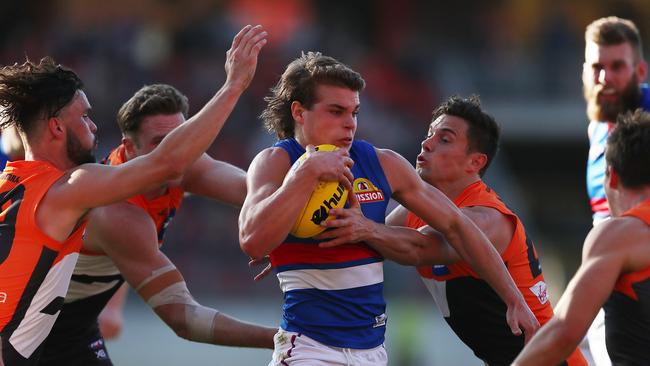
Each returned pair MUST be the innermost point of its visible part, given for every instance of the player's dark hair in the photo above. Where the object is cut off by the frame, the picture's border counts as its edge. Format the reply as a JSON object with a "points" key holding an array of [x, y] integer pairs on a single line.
{"points": [[482, 130], [298, 83], [150, 100], [628, 148], [30, 92], [610, 31]]}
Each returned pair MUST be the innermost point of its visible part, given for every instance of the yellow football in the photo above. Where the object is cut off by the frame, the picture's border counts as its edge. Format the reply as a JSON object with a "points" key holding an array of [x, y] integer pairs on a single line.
{"points": [[326, 195]]}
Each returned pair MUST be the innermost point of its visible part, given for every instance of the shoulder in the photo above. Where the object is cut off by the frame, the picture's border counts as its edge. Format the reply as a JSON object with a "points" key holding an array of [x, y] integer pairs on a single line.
{"points": [[616, 235]]}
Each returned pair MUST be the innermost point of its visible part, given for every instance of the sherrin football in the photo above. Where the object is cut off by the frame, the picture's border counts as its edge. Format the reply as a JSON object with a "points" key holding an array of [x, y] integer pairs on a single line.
{"points": [[326, 195]]}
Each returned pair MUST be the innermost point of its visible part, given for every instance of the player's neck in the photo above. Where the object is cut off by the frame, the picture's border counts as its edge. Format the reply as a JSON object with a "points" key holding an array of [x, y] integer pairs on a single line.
{"points": [[54, 154], [453, 189], [627, 199]]}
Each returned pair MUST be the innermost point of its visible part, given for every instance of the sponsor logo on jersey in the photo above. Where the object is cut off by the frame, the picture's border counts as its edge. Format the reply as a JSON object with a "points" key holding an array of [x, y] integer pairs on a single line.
{"points": [[366, 191], [380, 321], [3, 297], [540, 290]]}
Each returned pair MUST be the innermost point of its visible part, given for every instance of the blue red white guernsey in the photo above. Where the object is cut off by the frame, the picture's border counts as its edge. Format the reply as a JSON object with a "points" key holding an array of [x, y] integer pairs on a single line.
{"points": [[35, 269], [335, 295], [627, 311], [598, 132]]}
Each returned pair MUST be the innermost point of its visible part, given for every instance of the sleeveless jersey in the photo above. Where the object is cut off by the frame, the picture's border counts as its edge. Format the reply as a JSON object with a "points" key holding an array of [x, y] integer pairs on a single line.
{"points": [[96, 279], [335, 295], [598, 132], [627, 311], [470, 306], [35, 269]]}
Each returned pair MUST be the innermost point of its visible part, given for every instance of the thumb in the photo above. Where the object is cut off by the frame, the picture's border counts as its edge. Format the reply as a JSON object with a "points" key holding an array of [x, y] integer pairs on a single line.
{"points": [[310, 148], [352, 199]]}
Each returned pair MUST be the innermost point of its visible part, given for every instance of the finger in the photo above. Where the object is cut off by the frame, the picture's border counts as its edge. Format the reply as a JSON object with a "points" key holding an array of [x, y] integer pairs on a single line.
{"points": [[336, 212], [258, 47], [265, 272], [237, 40], [353, 200], [334, 223], [257, 34], [514, 328], [349, 178], [310, 149], [348, 162], [332, 243], [245, 40]]}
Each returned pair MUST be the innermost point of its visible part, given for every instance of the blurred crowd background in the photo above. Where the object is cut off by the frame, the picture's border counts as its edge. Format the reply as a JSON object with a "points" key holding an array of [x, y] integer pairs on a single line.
{"points": [[523, 57]]}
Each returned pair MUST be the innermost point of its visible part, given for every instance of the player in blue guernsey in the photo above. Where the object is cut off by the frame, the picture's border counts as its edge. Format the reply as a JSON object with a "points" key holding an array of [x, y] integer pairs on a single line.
{"points": [[334, 309], [612, 73]]}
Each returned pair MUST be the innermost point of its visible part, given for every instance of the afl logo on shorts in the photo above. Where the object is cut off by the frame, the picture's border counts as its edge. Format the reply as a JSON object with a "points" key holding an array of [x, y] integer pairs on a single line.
{"points": [[366, 191]]}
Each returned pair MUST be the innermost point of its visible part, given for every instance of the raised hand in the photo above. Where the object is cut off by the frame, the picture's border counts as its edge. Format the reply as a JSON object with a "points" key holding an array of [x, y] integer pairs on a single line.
{"points": [[241, 58]]}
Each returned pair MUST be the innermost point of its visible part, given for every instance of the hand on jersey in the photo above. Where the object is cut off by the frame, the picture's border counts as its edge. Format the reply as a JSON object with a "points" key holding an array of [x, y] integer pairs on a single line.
{"points": [[328, 166], [348, 226], [241, 58]]}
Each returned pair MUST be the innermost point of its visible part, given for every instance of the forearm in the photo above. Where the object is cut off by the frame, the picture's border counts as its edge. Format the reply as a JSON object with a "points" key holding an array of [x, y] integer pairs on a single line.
{"points": [[256, 235], [232, 332], [550, 346], [191, 139], [399, 244]]}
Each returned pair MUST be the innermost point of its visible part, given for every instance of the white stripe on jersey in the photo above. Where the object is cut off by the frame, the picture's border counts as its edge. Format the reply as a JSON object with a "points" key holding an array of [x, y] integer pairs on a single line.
{"points": [[332, 279], [438, 290], [36, 326], [91, 265]]}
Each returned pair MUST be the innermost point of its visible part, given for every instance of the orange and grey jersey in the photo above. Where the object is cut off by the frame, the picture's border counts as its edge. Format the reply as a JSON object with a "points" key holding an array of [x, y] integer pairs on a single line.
{"points": [[627, 311], [161, 209], [470, 306], [35, 269]]}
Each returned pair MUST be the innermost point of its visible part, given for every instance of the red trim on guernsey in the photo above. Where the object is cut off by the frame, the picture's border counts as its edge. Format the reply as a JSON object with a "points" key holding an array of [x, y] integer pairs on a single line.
{"points": [[625, 282], [599, 205], [295, 253]]}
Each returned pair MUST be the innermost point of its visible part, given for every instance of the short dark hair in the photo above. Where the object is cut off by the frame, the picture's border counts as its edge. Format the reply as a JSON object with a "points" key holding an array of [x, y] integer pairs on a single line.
{"points": [[150, 100], [30, 91], [628, 148], [482, 130], [298, 83], [610, 31]]}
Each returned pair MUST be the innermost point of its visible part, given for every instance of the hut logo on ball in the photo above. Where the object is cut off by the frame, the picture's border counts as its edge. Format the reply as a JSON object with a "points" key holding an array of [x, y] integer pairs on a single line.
{"points": [[366, 191], [321, 213]]}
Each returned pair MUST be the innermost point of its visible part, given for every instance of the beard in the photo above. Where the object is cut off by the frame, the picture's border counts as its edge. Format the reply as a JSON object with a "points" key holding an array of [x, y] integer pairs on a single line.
{"points": [[77, 153], [607, 111]]}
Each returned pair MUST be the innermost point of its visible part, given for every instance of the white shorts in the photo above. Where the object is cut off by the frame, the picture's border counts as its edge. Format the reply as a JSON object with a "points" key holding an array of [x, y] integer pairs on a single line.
{"points": [[295, 349]]}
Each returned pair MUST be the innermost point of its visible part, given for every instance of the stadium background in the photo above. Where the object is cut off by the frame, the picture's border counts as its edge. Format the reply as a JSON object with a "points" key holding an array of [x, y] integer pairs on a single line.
{"points": [[523, 57]]}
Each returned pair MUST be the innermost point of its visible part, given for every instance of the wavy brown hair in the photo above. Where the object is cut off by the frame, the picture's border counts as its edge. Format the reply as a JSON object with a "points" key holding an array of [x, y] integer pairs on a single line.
{"points": [[298, 83]]}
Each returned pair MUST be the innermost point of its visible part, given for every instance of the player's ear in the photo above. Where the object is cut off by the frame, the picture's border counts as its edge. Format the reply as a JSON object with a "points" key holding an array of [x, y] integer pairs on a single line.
{"points": [[129, 145], [613, 179], [297, 110], [56, 127], [477, 162], [641, 70]]}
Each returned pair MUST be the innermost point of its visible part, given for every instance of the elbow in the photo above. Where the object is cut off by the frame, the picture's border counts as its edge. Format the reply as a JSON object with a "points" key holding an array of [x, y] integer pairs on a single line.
{"points": [[177, 322], [250, 247]]}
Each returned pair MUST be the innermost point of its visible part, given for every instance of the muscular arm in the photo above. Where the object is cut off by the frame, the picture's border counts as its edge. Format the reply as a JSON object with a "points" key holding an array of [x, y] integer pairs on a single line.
{"points": [[134, 250], [462, 234], [92, 185], [275, 198], [606, 254], [216, 179]]}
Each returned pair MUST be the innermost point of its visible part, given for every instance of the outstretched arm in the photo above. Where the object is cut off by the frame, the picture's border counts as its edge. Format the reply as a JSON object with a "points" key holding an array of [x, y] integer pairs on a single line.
{"points": [[434, 208], [134, 250], [603, 259], [216, 179], [92, 185]]}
